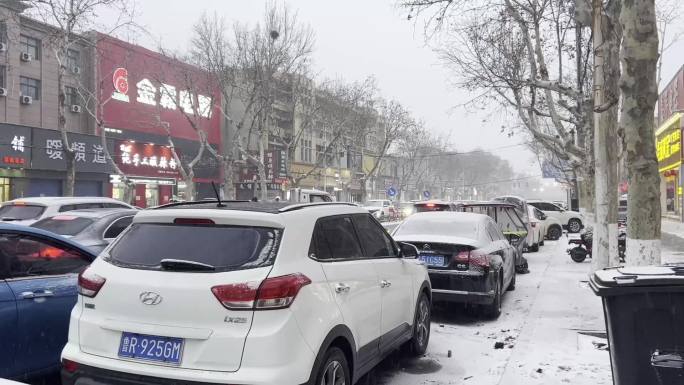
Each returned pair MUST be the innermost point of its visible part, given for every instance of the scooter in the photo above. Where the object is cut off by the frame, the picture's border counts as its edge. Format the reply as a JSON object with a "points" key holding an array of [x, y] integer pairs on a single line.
{"points": [[582, 250]]}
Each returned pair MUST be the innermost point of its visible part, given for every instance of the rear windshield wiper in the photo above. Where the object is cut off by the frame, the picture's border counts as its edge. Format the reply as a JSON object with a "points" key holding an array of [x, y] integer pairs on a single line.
{"points": [[183, 265]]}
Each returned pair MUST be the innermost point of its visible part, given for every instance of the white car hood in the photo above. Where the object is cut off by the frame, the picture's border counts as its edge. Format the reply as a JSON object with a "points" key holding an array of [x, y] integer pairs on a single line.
{"points": [[431, 238]]}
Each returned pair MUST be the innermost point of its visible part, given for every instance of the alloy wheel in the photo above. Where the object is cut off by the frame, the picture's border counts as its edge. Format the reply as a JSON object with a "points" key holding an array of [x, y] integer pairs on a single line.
{"points": [[333, 374], [574, 226], [422, 328]]}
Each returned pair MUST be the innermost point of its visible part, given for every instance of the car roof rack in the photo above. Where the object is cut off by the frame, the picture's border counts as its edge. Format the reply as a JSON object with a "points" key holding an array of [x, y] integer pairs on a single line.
{"points": [[199, 202], [244, 205], [299, 206]]}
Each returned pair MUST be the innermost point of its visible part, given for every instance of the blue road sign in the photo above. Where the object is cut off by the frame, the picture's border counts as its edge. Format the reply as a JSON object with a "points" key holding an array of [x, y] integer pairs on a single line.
{"points": [[426, 194], [391, 191]]}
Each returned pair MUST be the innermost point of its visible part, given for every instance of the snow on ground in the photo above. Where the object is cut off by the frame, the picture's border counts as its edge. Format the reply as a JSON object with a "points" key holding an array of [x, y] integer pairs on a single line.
{"points": [[540, 332]]}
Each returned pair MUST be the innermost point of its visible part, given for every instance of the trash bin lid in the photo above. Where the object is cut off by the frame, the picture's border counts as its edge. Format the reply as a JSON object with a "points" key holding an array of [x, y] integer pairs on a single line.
{"points": [[630, 279]]}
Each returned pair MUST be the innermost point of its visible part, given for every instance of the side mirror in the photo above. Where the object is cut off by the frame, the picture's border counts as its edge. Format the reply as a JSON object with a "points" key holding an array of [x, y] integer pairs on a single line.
{"points": [[543, 217], [408, 250]]}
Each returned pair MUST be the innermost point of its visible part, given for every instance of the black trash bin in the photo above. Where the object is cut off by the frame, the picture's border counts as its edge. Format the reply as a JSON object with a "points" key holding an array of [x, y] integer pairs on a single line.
{"points": [[644, 313]]}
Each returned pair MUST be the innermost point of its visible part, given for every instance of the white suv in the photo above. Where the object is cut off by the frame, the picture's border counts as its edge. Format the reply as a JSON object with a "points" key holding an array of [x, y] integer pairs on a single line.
{"points": [[570, 220], [247, 293]]}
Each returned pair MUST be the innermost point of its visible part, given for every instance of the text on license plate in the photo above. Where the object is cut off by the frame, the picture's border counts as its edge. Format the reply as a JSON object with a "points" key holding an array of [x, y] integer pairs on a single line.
{"points": [[432, 260], [152, 348]]}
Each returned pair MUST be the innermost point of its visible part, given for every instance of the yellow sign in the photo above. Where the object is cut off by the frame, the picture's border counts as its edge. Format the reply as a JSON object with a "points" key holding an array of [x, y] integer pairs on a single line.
{"points": [[679, 190], [669, 144]]}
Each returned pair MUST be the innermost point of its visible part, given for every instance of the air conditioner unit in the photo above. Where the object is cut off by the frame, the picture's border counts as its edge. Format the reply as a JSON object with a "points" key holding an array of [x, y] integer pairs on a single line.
{"points": [[75, 70], [26, 99], [26, 57], [76, 109], [3, 91], [3, 47]]}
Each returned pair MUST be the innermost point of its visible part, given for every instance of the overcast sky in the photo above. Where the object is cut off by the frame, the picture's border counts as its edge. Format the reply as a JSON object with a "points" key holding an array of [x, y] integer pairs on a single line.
{"points": [[356, 38]]}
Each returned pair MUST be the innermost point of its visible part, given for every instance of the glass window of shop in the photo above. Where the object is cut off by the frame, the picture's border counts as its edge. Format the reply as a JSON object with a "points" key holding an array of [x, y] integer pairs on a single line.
{"points": [[5, 191], [152, 195]]}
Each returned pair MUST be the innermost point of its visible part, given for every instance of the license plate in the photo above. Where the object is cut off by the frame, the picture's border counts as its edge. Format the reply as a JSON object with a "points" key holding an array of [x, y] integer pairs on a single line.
{"points": [[152, 348], [433, 260]]}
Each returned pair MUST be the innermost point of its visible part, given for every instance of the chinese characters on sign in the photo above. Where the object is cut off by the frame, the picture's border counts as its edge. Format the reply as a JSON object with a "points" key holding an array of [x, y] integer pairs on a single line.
{"points": [[128, 156], [669, 145], [18, 143], [146, 159]]}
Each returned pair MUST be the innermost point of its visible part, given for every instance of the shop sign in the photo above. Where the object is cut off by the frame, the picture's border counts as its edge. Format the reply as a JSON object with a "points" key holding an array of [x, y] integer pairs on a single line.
{"points": [[114, 179], [146, 159], [50, 153], [669, 144], [15, 146], [250, 186]]}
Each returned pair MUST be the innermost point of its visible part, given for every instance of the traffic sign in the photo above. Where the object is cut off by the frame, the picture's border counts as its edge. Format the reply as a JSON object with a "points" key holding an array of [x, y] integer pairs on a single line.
{"points": [[426, 194], [391, 191]]}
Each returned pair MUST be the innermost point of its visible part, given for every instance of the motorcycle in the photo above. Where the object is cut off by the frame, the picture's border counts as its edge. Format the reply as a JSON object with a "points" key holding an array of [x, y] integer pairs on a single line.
{"points": [[582, 250]]}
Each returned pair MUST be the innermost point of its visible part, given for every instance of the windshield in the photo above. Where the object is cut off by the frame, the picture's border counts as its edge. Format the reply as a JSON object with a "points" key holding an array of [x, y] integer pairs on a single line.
{"points": [[64, 224], [225, 248], [21, 212], [437, 225]]}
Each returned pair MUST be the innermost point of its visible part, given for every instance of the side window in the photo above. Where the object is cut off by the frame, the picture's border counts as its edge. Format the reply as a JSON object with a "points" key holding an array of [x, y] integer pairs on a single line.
{"points": [[114, 206], [27, 256], [82, 206], [67, 208], [117, 227], [335, 238], [375, 243]]}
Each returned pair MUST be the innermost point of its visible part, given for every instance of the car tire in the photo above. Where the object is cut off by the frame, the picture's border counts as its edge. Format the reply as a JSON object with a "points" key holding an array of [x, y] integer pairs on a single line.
{"points": [[418, 344], [334, 368], [511, 286], [493, 311], [534, 248], [541, 243], [555, 233], [574, 225]]}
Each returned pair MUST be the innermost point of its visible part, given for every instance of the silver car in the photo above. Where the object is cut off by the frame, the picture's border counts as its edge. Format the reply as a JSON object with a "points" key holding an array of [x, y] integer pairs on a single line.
{"points": [[92, 228]]}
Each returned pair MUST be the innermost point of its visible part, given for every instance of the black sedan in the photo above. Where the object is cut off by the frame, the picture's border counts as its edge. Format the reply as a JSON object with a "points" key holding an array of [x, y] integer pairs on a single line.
{"points": [[94, 229], [468, 257]]}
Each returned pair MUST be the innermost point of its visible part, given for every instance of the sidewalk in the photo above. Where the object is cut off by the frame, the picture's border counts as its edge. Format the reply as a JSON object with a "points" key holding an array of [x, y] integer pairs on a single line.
{"points": [[672, 236]]}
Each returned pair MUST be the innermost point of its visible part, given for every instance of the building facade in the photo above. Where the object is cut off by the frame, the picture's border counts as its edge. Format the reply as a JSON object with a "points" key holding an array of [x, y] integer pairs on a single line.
{"points": [[669, 146]]}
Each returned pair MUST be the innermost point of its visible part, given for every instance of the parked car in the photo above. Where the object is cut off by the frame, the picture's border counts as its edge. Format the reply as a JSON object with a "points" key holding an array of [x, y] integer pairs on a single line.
{"points": [[468, 257], [38, 274], [570, 220], [381, 209], [507, 217], [551, 227], [433, 205], [307, 292], [299, 195], [94, 229], [26, 211], [406, 209], [535, 237], [561, 204]]}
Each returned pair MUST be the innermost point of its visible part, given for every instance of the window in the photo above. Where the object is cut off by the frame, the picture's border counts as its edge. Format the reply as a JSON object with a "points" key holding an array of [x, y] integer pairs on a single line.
{"points": [[21, 212], [72, 97], [373, 239], [335, 238], [2, 76], [73, 59], [30, 45], [226, 248], [115, 206], [494, 231], [64, 224], [3, 32], [305, 150], [30, 87], [117, 227], [27, 256]]}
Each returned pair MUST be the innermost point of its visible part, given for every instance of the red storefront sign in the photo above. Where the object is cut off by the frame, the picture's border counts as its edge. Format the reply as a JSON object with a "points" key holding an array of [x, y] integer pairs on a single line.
{"points": [[145, 91], [144, 159]]}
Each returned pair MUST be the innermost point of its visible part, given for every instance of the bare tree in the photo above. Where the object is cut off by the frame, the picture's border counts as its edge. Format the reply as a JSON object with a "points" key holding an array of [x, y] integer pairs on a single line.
{"points": [[670, 30], [413, 150], [394, 121], [638, 83], [69, 18]]}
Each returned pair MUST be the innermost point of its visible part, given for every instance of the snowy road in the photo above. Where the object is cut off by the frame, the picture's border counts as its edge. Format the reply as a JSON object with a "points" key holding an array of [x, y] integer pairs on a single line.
{"points": [[548, 328]]}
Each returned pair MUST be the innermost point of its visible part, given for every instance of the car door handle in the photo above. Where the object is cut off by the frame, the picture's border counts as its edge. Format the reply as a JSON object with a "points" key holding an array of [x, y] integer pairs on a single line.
{"points": [[385, 283], [342, 288], [37, 294]]}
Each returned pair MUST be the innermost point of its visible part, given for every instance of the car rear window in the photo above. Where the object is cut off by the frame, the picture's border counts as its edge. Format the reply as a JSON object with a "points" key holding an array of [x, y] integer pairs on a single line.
{"points": [[21, 212], [64, 224], [226, 248], [439, 226]]}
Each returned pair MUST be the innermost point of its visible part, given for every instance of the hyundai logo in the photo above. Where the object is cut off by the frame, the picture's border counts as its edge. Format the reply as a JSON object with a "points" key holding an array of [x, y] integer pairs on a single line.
{"points": [[150, 298]]}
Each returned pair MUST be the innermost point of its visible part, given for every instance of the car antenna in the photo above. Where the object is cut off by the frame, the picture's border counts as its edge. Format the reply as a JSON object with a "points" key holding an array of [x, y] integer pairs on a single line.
{"points": [[218, 196]]}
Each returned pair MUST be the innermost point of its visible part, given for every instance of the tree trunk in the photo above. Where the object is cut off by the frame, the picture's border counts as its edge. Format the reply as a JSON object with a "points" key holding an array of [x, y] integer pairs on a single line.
{"points": [[261, 169], [606, 75], [639, 56], [228, 178], [189, 188]]}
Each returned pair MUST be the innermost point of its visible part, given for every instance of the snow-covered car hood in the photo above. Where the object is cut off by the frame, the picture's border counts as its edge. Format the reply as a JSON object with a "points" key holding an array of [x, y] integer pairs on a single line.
{"points": [[372, 208], [431, 238]]}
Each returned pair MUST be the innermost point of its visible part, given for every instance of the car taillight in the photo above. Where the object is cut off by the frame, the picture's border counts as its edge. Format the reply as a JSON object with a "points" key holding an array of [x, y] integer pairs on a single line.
{"points": [[479, 259], [272, 293], [462, 257], [70, 366], [89, 283]]}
